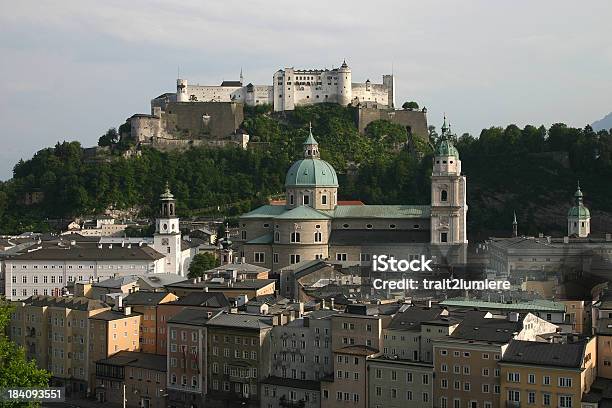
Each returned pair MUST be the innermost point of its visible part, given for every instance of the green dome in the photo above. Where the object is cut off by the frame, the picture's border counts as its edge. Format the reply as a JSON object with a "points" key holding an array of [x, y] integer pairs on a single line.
{"points": [[311, 173], [446, 148], [580, 212]]}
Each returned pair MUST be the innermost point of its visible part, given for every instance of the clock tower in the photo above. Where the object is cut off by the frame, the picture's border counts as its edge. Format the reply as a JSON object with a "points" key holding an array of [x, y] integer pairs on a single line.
{"points": [[167, 237]]}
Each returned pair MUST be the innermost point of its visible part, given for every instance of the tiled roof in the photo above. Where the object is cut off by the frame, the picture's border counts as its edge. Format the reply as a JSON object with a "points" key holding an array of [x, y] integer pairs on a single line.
{"points": [[243, 284], [144, 298], [412, 317], [265, 211], [477, 327], [203, 299], [136, 359], [538, 305], [91, 253], [115, 283], [73, 303], [380, 211], [547, 354], [112, 315], [192, 316], [241, 320]]}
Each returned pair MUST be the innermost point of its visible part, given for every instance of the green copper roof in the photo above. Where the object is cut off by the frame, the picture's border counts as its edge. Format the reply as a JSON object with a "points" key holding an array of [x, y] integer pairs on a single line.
{"points": [[380, 211], [446, 148], [310, 140], [302, 213], [580, 212], [311, 173], [265, 211], [531, 306]]}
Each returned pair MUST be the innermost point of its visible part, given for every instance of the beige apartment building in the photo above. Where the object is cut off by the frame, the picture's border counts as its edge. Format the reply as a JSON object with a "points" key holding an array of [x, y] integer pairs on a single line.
{"points": [[466, 361], [55, 332], [112, 331], [543, 374]]}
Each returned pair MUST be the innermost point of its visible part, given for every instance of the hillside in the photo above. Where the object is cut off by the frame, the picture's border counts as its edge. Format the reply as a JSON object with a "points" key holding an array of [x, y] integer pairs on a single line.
{"points": [[531, 171], [604, 123]]}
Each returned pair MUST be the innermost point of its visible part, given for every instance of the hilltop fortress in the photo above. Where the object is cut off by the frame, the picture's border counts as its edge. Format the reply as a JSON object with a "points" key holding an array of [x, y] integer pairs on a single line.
{"points": [[212, 114]]}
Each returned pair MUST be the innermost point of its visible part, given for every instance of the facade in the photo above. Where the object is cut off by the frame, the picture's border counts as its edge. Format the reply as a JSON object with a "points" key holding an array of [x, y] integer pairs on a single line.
{"points": [[543, 374], [466, 362], [146, 303], [239, 358], [312, 225], [54, 332], [187, 357], [290, 88], [396, 383], [138, 378]]}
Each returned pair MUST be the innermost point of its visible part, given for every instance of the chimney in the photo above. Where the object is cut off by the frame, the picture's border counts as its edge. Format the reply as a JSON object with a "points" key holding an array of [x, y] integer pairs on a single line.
{"points": [[206, 289], [332, 303], [513, 316], [195, 280], [199, 279], [566, 240], [243, 260], [323, 304], [127, 310], [608, 237], [119, 302], [110, 246]]}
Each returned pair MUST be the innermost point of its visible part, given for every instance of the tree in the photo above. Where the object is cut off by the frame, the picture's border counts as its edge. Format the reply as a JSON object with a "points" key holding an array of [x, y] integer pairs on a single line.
{"points": [[202, 262], [412, 105], [110, 138], [15, 369]]}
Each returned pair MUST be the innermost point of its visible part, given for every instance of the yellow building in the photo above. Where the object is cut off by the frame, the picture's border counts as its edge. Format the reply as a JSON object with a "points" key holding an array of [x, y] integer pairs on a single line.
{"points": [[53, 331], [543, 374]]}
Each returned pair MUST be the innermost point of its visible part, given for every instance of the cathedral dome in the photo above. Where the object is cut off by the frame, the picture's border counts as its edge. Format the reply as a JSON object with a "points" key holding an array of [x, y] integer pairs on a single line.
{"points": [[580, 212], [446, 148], [311, 172]]}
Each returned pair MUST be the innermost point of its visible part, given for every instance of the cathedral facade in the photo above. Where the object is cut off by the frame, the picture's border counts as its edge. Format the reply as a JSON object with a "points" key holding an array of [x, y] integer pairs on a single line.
{"points": [[313, 224]]}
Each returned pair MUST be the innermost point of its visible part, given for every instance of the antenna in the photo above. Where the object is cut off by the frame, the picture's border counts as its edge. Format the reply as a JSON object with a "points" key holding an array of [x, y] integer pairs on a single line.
{"points": [[178, 71]]}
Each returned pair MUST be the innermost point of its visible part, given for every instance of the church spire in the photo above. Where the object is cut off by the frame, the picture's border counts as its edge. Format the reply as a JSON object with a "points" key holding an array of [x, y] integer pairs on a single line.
{"points": [[311, 146]]}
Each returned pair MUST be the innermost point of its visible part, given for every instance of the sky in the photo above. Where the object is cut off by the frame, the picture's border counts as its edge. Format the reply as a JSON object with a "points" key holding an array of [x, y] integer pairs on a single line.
{"points": [[71, 69]]}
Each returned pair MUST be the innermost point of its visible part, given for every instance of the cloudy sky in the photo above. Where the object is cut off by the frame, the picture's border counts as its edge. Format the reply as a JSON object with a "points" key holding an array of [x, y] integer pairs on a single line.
{"points": [[71, 69]]}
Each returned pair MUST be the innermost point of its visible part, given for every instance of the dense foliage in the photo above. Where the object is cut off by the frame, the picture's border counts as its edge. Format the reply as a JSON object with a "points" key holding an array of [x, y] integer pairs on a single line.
{"points": [[15, 369], [202, 262], [525, 170]]}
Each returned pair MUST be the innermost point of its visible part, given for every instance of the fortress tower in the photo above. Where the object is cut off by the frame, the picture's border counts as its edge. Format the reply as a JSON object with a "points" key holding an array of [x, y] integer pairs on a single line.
{"points": [[345, 86]]}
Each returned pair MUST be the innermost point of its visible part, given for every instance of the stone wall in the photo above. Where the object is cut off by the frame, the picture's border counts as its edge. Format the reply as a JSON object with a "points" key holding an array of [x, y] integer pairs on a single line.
{"points": [[414, 121]]}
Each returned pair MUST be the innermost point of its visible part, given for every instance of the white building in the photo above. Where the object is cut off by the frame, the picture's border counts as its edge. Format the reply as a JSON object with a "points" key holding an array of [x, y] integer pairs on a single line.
{"points": [[46, 269], [292, 87]]}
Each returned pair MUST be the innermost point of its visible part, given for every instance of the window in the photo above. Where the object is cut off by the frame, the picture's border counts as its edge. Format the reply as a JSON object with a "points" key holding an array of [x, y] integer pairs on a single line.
{"points": [[365, 257], [443, 195], [341, 257], [565, 382], [276, 236], [514, 377], [324, 199], [294, 258], [546, 399], [531, 397], [514, 396], [275, 257], [260, 257], [291, 201], [306, 199], [444, 237], [318, 237], [565, 401], [546, 380], [295, 237], [531, 378]]}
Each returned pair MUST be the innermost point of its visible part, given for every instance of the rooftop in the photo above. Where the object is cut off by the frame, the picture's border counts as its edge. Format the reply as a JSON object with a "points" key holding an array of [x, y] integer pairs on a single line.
{"points": [[242, 321], [136, 359], [568, 355], [538, 305], [192, 316], [110, 315], [477, 327], [91, 253], [144, 298], [73, 303]]}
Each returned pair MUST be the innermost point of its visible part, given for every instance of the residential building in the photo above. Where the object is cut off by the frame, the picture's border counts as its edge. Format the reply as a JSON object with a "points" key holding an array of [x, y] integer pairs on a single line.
{"points": [[542, 374], [247, 289], [466, 361], [239, 357], [395, 383], [146, 303], [55, 333], [139, 378]]}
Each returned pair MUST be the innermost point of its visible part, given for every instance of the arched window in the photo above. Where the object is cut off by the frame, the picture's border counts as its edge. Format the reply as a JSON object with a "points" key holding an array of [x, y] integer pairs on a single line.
{"points": [[443, 195], [276, 236]]}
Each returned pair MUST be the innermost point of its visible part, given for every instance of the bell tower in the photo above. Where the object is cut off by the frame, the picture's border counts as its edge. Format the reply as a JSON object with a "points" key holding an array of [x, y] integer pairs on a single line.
{"points": [[167, 237], [448, 194], [579, 217]]}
